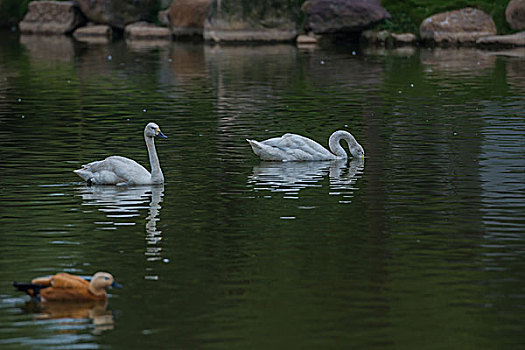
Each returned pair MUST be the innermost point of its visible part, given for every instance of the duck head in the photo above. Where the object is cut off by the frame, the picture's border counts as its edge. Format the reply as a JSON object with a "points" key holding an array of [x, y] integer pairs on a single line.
{"points": [[99, 282]]}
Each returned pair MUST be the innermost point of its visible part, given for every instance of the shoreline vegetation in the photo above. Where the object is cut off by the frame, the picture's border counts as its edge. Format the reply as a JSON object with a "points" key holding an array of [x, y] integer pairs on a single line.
{"points": [[406, 15]]}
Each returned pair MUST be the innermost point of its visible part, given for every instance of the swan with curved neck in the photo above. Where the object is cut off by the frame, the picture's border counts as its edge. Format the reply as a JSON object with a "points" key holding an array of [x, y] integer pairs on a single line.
{"points": [[292, 147], [117, 170]]}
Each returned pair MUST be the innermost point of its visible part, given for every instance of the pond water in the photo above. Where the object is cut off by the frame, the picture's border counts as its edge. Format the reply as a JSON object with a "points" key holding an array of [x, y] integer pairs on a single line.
{"points": [[421, 246]]}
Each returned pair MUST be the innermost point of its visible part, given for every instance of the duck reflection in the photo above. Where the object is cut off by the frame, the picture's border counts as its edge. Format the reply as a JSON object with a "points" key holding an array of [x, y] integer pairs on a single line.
{"points": [[69, 313], [291, 177], [120, 204]]}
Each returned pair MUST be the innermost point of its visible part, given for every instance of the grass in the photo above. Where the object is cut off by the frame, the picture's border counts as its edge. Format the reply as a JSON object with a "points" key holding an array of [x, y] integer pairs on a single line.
{"points": [[407, 15]]}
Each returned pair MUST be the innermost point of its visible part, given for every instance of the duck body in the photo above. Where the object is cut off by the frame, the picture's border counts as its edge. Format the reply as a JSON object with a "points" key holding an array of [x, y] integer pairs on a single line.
{"points": [[293, 147], [117, 170], [67, 287]]}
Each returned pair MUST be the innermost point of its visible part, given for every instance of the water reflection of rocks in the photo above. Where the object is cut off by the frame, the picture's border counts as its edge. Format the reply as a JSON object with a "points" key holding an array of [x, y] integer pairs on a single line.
{"points": [[41, 48], [120, 204], [291, 177]]}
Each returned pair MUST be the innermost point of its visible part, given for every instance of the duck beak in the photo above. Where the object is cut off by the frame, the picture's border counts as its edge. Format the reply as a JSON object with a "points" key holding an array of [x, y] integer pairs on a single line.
{"points": [[116, 285], [161, 135]]}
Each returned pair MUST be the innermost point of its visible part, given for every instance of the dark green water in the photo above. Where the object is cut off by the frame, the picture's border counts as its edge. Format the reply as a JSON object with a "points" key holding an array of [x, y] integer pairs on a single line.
{"points": [[422, 246]]}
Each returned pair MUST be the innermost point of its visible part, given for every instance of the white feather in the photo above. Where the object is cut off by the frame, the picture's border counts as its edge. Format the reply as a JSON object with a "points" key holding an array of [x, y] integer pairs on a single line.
{"points": [[292, 147], [117, 170]]}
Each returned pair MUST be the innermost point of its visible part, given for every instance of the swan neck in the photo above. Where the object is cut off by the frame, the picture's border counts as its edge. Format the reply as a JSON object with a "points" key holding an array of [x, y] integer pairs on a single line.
{"points": [[156, 172], [335, 143]]}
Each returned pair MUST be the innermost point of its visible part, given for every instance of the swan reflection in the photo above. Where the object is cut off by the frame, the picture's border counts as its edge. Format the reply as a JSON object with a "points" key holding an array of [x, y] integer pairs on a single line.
{"points": [[291, 177], [120, 204]]}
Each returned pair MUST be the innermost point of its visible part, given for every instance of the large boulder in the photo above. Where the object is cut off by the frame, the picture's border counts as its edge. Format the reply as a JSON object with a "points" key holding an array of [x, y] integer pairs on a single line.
{"points": [[252, 20], [117, 13], [186, 17], [51, 17], [515, 14], [342, 16], [457, 27]]}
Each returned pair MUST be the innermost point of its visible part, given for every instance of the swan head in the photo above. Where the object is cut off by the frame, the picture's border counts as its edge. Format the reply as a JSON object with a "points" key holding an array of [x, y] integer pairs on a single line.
{"points": [[153, 130], [357, 151]]}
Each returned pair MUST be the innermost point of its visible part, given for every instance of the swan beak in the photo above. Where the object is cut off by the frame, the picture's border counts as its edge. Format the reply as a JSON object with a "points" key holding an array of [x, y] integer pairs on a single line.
{"points": [[363, 157], [161, 135]]}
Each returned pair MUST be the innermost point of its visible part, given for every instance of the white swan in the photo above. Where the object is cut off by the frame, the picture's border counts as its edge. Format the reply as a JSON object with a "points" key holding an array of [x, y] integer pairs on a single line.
{"points": [[116, 170], [292, 147]]}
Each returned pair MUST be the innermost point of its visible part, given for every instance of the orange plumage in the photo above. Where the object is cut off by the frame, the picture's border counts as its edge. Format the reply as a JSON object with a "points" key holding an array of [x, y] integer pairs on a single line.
{"points": [[66, 287], [69, 287]]}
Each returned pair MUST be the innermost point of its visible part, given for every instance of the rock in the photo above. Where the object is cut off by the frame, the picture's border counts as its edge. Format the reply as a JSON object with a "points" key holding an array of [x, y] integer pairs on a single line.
{"points": [[374, 37], [456, 27], [117, 13], [51, 17], [164, 17], [145, 30], [369, 36], [251, 20], [100, 30], [224, 33], [306, 40], [100, 33], [186, 17], [515, 14], [511, 40], [383, 35], [386, 38], [404, 39], [342, 16]]}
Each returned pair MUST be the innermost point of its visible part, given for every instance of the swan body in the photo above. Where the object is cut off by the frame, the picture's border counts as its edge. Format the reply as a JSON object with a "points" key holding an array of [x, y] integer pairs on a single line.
{"points": [[66, 287], [292, 147], [117, 170]]}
